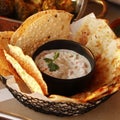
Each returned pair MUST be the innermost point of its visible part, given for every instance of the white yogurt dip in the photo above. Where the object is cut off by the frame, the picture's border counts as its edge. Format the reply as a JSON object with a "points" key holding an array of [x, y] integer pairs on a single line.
{"points": [[70, 64]]}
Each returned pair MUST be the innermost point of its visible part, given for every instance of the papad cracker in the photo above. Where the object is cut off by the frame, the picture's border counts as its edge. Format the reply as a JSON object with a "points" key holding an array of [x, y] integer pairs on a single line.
{"points": [[29, 80], [92, 32], [28, 65], [6, 70], [49, 25]]}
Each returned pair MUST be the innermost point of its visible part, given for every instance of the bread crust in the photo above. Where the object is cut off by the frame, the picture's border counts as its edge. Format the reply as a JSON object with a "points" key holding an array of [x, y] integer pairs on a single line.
{"points": [[29, 36]]}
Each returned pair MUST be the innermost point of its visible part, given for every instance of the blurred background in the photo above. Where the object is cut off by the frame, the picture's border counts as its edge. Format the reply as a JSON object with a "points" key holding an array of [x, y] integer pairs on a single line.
{"points": [[21, 9]]}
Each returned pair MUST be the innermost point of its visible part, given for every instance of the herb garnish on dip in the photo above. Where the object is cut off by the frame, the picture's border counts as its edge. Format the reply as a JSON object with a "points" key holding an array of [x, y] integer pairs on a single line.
{"points": [[52, 66]]}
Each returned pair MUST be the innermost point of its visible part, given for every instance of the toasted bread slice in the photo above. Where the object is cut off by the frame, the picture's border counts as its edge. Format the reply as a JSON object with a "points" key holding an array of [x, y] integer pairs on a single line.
{"points": [[40, 28]]}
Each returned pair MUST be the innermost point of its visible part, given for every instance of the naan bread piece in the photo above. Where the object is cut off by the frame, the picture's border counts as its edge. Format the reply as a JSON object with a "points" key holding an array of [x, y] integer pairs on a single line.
{"points": [[29, 80], [40, 28], [92, 32], [6, 69], [28, 65]]}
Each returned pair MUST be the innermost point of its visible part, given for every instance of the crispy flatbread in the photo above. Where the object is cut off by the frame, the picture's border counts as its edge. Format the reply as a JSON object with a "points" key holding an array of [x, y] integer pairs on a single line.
{"points": [[29, 80], [6, 69], [29, 36], [13, 55], [26, 69], [93, 33], [29, 66]]}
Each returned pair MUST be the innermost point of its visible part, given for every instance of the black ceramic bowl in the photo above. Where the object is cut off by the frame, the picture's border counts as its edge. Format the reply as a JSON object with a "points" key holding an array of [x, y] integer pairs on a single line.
{"points": [[63, 86]]}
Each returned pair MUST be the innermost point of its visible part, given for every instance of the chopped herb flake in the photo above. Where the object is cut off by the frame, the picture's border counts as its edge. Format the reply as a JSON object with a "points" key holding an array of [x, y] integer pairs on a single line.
{"points": [[52, 66]]}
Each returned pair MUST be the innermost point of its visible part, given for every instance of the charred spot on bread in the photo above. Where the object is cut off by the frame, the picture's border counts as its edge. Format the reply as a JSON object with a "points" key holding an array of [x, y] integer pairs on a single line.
{"points": [[49, 37], [56, 15]]}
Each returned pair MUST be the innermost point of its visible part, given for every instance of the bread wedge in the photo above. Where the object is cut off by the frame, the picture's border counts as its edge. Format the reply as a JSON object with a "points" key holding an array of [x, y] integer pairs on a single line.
{"points": [[27, 65], [26, 69], [40, 28], [92, 32], [6, 70]]}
